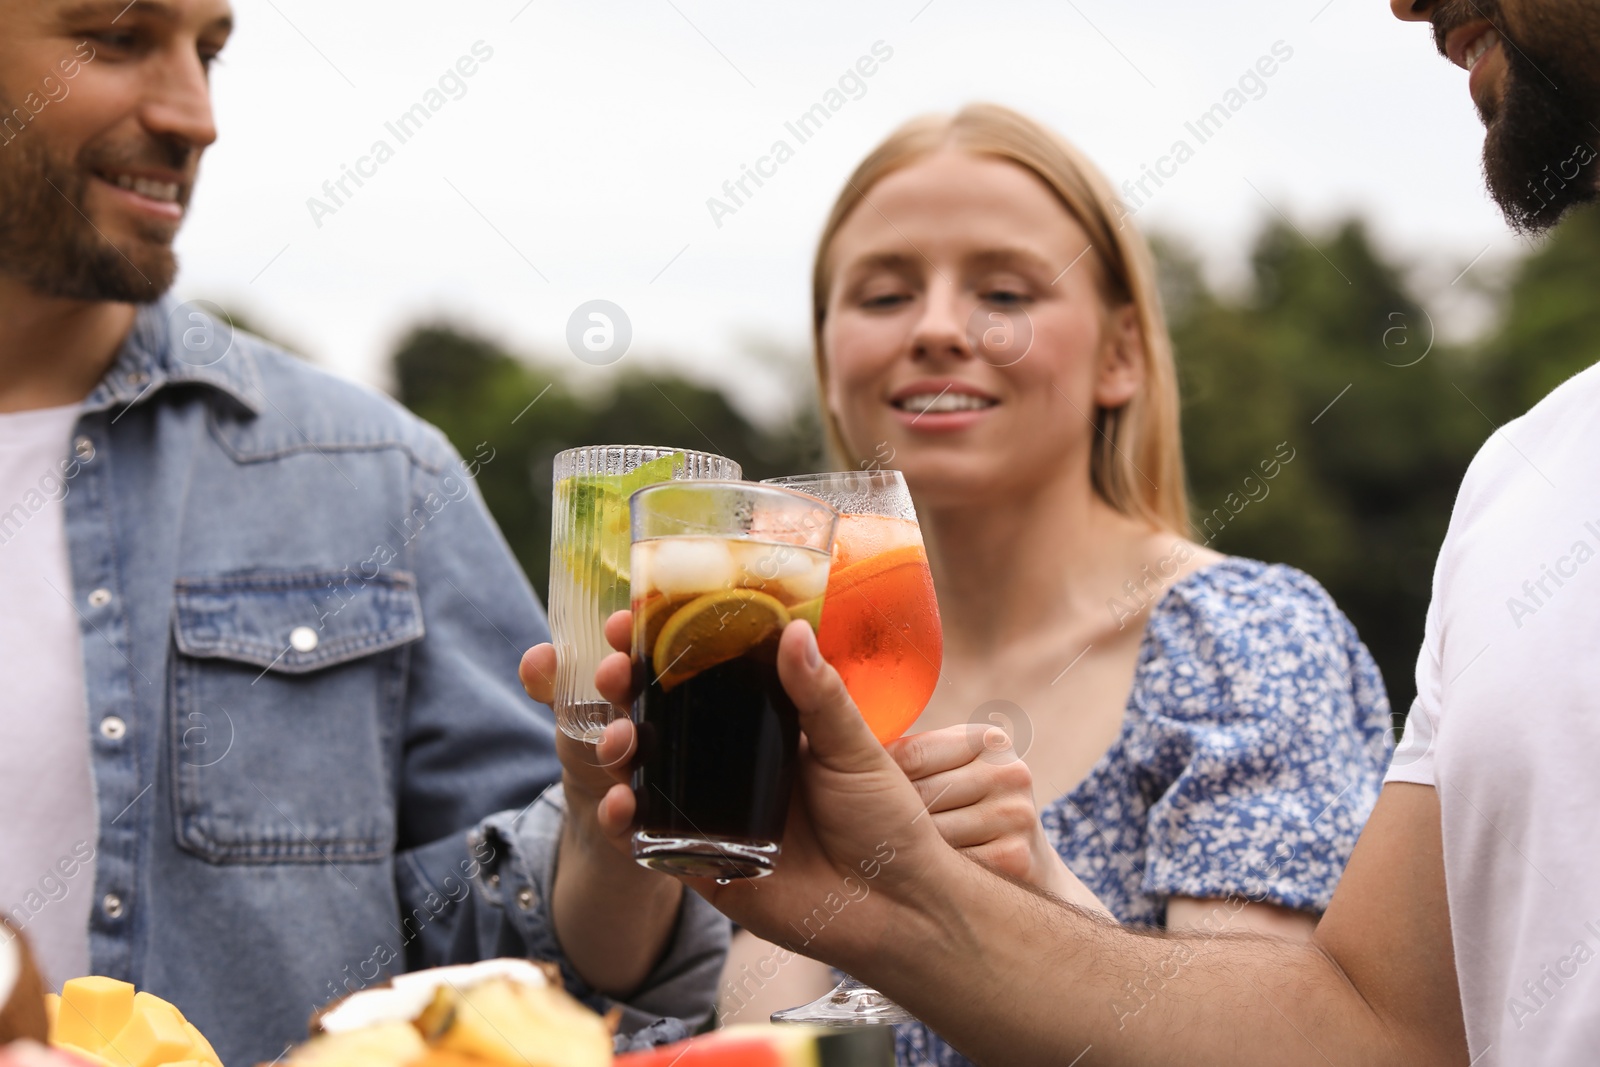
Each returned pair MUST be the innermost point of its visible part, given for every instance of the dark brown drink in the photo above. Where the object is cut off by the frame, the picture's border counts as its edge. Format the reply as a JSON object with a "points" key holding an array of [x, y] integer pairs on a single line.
{"points": [[718, 736], [716, 765]]}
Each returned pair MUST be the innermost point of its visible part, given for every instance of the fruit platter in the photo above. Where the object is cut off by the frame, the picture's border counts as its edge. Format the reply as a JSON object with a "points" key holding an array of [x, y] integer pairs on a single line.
{"points": [[496, 1013]]}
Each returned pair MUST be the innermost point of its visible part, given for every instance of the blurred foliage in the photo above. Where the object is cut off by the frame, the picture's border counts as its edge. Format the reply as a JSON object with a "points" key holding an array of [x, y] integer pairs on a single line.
{"points": [[1323, 359], [1364, 505], [1325, 353], [1550, 329], [475, 392]]}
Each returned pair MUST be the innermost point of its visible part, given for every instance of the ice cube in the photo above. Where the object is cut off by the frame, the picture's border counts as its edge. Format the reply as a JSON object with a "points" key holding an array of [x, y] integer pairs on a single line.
{"points": [[691, 565], [639, 566], [765, 563], [810, 582]]}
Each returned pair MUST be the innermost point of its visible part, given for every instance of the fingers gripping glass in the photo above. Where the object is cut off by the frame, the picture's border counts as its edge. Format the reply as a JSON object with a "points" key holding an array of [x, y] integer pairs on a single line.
{"points": [[880, 630]]}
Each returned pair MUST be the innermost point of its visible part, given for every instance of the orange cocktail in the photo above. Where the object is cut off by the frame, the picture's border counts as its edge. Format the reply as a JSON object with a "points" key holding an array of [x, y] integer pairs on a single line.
{"points": [[880, 621], [880, 630]]}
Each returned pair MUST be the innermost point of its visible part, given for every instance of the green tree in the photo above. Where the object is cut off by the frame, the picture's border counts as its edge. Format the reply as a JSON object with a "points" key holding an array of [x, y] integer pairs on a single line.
{"points": [[481, 396], [1329, 359], [1550, 326]]}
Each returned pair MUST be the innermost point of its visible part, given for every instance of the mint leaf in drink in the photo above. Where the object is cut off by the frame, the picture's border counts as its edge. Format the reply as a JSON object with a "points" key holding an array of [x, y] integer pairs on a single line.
{"points": [[598, 503]]}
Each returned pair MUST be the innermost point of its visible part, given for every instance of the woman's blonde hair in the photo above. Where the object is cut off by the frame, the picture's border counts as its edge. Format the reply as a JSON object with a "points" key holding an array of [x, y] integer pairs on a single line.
{"points": [[1137, 459]]}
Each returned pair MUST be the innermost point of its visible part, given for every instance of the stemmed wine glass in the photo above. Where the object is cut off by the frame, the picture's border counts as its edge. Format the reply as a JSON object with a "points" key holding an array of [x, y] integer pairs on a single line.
{"points": [[880, 630]]}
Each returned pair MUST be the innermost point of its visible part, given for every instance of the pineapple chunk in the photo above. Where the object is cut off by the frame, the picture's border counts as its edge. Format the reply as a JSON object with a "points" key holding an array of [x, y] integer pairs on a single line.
{"points": [[440, 1058], [518, 1025], [380, 1045], [495, 1013]]}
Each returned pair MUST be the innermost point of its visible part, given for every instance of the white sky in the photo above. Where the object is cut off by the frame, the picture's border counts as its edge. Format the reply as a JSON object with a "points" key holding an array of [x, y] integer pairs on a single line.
{"points": [[585, 150]]}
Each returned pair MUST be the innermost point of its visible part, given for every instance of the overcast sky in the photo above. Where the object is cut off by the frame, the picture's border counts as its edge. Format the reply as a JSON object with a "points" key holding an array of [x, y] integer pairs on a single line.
{"points": [[576, 161]]}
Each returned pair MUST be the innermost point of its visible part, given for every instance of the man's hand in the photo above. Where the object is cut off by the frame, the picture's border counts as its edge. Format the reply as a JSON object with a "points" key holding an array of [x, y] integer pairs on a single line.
{"points": [[866, 882], [613, 917], [976, 792], [856, 828]]}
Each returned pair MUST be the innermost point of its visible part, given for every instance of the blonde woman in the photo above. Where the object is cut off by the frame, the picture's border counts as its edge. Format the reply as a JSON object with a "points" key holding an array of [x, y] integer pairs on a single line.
{"points": [[1203, 735], [1206, 734]]}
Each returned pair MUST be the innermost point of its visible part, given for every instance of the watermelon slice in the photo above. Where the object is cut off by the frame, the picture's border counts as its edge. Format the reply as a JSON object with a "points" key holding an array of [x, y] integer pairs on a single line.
{"points": [[774, 1046]]}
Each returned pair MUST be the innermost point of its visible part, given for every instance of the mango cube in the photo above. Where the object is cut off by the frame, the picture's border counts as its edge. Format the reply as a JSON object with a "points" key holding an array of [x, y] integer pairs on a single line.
{"points": [[200, 1046], [106, 1023], [92, 1011], [154, 1034]]}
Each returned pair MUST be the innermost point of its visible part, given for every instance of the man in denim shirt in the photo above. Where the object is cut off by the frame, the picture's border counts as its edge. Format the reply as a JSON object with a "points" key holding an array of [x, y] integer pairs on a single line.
{"points": [[262, 740]]}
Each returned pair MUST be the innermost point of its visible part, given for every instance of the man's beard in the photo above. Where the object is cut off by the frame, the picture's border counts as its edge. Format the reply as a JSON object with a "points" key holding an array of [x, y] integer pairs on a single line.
{"points": [[1542, 154], [48, 242]]}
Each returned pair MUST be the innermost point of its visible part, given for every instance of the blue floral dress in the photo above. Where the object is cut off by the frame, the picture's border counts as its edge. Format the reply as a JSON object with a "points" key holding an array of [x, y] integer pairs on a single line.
{"points": [[1251, 754]]}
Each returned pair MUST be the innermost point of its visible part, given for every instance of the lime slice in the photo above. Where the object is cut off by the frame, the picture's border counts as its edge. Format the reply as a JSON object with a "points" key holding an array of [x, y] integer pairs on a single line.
{"points": [[809, 610], [614, 538], [685, 510], [656, 470]]}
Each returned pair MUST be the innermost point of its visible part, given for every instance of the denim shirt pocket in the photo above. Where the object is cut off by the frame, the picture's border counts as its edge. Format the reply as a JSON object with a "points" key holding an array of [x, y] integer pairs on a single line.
{"points": [[285, 693]]}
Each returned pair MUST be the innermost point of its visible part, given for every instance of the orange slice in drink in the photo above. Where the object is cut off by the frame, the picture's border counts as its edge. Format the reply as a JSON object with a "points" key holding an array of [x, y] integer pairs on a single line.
{"points": [[653, 614], [880, 630], [713, 629], [864, 570]]}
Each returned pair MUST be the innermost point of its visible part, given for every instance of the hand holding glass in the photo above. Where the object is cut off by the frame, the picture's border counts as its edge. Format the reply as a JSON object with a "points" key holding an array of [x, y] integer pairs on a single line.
{"points": [[880, 630], [719, 569]]}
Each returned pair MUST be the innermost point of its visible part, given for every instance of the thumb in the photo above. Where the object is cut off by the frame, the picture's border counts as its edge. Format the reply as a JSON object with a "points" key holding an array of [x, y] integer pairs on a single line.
{"points": [[837, 735]]}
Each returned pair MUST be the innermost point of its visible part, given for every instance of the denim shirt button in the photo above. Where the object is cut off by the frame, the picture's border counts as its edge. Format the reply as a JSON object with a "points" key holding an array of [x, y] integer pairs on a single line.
{"points": [[494, 881], [83, 448], [112, 905], [303, 639], [525, 898], [99, 598], [113, 728]]}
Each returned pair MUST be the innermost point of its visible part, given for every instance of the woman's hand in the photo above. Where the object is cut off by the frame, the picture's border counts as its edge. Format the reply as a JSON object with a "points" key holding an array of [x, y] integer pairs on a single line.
{"points": [[979, 794]]}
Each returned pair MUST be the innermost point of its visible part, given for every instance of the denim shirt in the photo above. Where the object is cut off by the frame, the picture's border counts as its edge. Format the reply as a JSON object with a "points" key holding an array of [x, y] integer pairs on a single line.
{"points": [[314, 766]]}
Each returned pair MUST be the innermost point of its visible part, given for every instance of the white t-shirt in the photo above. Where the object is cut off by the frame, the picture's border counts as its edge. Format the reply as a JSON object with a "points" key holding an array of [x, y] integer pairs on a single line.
{"points": [[47, 801], [1506, 726]]}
